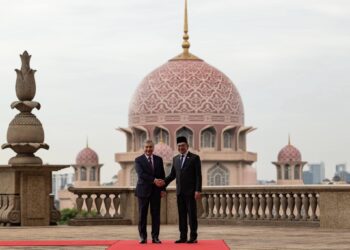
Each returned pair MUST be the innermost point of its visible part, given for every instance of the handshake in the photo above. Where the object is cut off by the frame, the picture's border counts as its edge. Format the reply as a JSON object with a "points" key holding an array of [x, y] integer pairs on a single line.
{"points": [[159, 182]]}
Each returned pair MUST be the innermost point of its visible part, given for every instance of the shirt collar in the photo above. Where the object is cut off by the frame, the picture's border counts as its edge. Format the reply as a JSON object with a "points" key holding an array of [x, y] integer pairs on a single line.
{"points": [[149, 156]]}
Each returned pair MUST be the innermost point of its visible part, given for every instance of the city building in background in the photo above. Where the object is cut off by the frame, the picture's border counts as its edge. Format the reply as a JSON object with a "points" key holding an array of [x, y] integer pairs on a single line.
{"points": [[341, 174], [315, 174]]}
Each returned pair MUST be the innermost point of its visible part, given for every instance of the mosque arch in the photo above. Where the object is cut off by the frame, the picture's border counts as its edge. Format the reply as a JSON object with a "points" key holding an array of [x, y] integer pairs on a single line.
{"points": [[83, 176], [218, 175], [208, 137], [140, 136], [186, 132], [161, 134], [92, 174], [287, 172]]}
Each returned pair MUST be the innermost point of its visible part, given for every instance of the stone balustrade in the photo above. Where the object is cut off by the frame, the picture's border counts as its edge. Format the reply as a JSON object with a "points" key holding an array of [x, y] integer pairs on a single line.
{"points": [[277, 203], [103, 205], [306, 205], [10, 209]]}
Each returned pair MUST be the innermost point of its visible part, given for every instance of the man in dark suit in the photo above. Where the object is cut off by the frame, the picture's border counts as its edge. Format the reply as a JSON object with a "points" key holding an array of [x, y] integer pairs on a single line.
{"points": [[149, 189], [186, 169]]}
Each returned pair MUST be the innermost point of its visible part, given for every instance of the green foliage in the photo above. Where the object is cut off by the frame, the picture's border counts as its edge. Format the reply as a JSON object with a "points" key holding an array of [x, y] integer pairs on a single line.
{"points": [[70, 213]]}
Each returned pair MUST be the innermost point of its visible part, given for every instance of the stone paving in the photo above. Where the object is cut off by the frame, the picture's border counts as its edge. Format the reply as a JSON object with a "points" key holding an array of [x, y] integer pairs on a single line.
{"points": [[237, 237]]}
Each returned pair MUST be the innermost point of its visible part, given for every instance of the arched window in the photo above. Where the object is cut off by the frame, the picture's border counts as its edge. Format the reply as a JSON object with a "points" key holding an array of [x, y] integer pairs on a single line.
{"points": [[141, 137], [133, 177], [279, 173], [93, 174], [297, 172], [208, 138], [83, 174], [228, 138], [186, 133], [218, 176], [161, 135], [287, 172]]}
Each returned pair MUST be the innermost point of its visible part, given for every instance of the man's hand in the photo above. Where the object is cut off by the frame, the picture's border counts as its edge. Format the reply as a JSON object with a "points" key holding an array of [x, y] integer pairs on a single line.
{"points": [[162, 194], [159, 182], [197, 195]]}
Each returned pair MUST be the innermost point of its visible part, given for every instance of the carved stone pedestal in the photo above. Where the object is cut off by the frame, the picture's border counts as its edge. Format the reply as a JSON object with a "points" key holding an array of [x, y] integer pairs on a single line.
{"points": [[25, 195]]}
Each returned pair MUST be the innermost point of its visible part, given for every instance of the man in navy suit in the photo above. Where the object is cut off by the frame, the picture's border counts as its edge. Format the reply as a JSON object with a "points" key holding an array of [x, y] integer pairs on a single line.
{"points": [[149, 189], [186, 170]]}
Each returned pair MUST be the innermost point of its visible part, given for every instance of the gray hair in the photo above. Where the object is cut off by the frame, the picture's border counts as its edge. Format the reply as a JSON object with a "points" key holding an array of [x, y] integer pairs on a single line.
{"points": [[148, 142]]}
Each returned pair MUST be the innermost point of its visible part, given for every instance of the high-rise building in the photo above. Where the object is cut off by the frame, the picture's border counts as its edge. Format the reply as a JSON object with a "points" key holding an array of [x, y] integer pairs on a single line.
{"points": [[317, 171]]}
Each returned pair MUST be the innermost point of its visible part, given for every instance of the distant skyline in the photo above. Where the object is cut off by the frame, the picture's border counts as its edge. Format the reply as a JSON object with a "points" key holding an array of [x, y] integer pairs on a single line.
{"points": [[288, 59]]}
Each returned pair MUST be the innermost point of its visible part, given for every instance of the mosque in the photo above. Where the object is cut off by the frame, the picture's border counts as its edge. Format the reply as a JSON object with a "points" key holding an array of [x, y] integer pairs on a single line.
{"points": [[188, 97]]}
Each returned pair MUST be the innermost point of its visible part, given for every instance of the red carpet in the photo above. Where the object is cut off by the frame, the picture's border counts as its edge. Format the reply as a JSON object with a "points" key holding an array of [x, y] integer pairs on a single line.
{"points": [[170, 245], [123, 244]]}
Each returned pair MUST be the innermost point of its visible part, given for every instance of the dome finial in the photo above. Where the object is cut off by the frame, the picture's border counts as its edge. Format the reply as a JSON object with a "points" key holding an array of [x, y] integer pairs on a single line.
{"points": [[186, 43], [186, 55], [87, 141], [288, 139]]}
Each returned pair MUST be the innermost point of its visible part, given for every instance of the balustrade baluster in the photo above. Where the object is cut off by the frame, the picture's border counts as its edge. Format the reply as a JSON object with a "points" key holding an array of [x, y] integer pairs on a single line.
{"points": [[249, 205], [243, 205], [284, 206], [223, 205], [256, 206], [107, 201], [229, 205], [262, 201], [291, 204], [116, 204], [98, 204], [236, 204], [211, 205], [269, 205], [88, 203], [306, 205], [298, 206], [217, 205], [313, 205], [205, 206], [277, 205], [80, 203]]}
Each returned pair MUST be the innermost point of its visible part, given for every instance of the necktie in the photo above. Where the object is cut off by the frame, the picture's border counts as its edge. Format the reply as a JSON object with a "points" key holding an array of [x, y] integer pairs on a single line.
{"points": [[182, 160], [150, 162]]}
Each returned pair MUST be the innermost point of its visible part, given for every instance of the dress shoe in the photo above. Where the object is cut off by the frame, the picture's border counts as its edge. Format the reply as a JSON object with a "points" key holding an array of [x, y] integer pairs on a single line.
{"points": [[143, 241], [156, 241], [191, 241], [181, 241]]}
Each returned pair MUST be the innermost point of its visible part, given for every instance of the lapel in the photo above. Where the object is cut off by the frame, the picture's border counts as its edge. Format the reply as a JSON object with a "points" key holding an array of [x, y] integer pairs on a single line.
{"points": [[187, 161]]}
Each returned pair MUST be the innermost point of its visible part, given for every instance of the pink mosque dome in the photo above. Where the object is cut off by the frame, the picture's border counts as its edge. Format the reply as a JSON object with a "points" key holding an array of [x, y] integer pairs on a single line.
{"points": [[87, 156], [289, 154], [181, 87], [163, 150]]}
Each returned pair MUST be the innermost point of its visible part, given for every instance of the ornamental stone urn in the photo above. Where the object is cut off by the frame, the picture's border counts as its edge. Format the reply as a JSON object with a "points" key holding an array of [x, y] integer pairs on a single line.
{"points": [[25, 134]]}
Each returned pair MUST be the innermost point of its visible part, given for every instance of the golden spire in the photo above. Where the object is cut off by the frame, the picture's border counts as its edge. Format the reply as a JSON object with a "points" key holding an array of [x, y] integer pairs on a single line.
{"points": [[87, 141], [186, 55], [288, 139]]}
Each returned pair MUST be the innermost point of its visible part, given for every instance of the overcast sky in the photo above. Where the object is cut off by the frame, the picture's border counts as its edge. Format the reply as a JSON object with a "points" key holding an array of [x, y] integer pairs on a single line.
{"points": [[289, 59]]}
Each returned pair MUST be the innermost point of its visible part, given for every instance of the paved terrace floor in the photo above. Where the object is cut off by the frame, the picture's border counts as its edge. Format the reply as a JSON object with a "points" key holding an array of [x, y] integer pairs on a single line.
{"points": [[237, 237]]}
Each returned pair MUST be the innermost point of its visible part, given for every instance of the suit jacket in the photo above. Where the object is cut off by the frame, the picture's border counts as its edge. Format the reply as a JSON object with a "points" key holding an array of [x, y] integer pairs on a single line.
{"points": [[189, 177], [145, 186]]}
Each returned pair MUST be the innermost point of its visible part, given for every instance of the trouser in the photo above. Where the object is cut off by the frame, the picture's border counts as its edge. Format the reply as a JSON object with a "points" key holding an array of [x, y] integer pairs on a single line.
{"points": [[187, 207], [144, 202]]}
